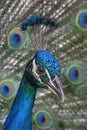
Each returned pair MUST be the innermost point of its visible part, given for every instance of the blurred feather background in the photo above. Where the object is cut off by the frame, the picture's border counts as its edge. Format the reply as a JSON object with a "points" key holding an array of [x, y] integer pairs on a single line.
{"points": [[68, 42]]}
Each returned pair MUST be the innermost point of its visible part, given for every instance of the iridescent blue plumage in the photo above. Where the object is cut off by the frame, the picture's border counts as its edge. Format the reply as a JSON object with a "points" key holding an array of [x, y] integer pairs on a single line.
{"points": [[5, 89], [41, 20], [50, 62], [41, 118], [83, 20], [32, 20], [15, 39], [24, 24]]}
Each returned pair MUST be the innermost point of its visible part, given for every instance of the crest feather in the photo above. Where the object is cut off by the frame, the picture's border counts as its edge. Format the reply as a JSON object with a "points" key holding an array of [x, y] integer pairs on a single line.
{"points": [[39, 39]]}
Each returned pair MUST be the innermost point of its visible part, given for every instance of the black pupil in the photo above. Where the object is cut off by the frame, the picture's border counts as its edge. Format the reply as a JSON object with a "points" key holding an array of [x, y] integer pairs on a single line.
{"points": [[17, 38], [40, 69], [6, 89], [76, 73], [43, 119], [85, 19]]}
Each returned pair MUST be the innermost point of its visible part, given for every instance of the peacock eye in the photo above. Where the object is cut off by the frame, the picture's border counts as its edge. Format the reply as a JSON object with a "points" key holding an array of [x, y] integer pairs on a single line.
{"points": [[40, 69], [43, 120], [8, 89], [76, 73]]}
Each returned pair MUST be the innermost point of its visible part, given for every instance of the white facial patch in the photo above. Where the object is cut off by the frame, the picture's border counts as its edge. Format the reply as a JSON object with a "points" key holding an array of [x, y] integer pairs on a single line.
{"points": [[49, 77], [34, 70], [50, 82]]}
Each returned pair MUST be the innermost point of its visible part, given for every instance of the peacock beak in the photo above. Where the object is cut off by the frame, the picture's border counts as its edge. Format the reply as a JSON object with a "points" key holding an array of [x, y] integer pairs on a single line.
{"points": [[56, 87]]}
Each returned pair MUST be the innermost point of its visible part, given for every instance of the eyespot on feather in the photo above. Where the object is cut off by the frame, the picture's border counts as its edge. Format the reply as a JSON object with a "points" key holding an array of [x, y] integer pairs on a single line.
{"points": [[80, 20], [43, 119], [76, 73], [17, 39], [8, 89]]}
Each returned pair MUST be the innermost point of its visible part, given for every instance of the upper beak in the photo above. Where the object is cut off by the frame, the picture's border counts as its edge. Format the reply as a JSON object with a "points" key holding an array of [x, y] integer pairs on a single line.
{"points": [[56, 87]]}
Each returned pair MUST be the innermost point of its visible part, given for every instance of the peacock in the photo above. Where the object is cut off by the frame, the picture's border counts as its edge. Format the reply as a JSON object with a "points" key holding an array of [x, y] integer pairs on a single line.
{"points": [[42, 71]]}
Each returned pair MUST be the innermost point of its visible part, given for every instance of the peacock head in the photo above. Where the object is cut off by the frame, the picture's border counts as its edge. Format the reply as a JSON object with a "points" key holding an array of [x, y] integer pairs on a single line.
{"points": [[45, 70]]}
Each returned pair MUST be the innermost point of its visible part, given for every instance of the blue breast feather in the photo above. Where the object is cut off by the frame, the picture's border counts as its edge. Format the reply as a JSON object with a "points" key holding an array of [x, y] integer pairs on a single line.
{"points": [[46, 59]]}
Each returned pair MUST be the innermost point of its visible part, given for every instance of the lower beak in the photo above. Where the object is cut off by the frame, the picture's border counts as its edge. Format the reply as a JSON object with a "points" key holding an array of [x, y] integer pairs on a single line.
{"points": [[56, 87]]}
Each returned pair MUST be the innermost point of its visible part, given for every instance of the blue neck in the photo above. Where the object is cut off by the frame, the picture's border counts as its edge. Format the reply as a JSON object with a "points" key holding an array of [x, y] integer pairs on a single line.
{"points": [[20, 116]]}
